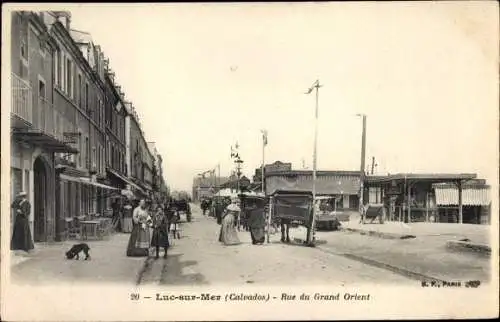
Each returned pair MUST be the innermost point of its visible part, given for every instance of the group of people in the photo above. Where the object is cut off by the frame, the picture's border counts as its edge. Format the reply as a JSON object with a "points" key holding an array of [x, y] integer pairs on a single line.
{"points": [[150, 229], [228, 219]]}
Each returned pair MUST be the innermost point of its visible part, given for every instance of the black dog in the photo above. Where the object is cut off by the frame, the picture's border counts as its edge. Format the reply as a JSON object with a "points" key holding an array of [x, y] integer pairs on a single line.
{"points": [[77, 249]]}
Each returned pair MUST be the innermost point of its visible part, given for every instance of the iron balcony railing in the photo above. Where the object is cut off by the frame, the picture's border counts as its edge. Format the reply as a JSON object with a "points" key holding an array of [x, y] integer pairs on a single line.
{"points": [[51, 121], [22, 99]]}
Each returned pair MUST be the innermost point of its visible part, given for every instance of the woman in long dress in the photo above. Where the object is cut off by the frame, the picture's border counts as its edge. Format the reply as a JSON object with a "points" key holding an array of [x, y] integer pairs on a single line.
{"points": [[21, 235], [140, 238], [228, 233]]}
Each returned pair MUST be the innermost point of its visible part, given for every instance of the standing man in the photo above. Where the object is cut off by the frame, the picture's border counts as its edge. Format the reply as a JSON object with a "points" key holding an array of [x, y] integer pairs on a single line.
{"points": [[21, 235]]}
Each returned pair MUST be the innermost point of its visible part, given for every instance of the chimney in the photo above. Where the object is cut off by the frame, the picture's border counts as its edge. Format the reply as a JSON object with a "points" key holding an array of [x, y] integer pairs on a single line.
{"points": [[111, 75], [106, 65]]}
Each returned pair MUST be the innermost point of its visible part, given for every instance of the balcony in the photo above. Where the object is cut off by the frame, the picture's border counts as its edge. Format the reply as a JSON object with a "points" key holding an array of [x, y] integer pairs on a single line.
{"points": [[48, 128], [22, 99]]}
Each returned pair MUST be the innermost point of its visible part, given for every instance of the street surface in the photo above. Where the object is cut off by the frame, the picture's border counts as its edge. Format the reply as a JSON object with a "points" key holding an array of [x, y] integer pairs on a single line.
{"points": [[341, 258], [199, 259]]}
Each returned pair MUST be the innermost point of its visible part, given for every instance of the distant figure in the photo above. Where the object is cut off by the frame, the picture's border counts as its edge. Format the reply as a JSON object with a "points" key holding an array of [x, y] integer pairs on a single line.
{"points": [[127, 218], [21, 235], [219, 210], [228, 233]]}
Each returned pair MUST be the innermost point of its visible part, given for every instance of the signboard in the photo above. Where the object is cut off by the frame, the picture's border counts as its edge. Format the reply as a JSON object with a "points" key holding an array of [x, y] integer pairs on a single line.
{"points": [[71, 137], [277, 166]]}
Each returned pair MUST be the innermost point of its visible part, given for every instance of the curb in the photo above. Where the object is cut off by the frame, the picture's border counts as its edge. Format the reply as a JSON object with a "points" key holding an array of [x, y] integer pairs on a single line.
{"points": [[378, 234], [398, 270], [468, 246]]}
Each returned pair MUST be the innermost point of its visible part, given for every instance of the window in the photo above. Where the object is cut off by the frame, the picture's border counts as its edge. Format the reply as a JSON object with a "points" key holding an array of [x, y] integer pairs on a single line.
{"points": [[56, 67], [81, 151], [94, 157], [23, 62], [78, 91], [41, 89], [87, 153], [69, 78], [86, 96]]}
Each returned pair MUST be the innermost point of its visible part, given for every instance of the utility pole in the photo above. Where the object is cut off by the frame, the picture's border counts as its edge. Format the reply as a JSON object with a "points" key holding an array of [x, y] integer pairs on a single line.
{"points": [[362, 168], [311, 231]]}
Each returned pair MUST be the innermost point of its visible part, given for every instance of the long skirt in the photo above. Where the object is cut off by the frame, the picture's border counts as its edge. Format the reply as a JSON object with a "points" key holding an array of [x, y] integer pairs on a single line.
{"points": [[139, 242], [229, 235], [127, 225], [257, 235], [21, 236]]}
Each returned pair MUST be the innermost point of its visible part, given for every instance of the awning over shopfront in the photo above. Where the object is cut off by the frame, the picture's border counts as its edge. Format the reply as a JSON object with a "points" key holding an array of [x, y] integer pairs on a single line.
{"points": [[86, 181], [127, 181], [448, 196]]}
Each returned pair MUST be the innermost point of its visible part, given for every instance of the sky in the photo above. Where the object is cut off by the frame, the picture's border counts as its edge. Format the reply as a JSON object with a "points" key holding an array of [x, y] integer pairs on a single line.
{"points": [[205, 76]]}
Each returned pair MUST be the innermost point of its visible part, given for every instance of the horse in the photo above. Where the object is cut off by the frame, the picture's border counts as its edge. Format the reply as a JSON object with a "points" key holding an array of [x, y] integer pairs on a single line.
{"points": [[285, 229]]}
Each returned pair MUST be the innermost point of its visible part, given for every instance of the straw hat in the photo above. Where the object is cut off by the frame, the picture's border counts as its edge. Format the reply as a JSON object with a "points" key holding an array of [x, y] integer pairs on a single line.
{"points": [[22, 194]]}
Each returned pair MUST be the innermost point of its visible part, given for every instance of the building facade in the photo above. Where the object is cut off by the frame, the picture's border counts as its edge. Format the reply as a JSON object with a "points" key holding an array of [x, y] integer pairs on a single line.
{"points": [[139, 159], [70, 144], [39, 125]]}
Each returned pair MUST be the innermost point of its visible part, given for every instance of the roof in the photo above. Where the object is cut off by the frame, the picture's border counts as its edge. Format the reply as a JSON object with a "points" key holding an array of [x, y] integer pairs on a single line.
{"points": [[319, 173], [432, 177], [471, 196], [81, 36], [327, 183], [293, 192]]}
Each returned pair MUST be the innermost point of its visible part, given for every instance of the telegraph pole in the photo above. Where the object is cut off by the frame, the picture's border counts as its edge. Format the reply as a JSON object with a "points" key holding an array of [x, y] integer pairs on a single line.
{"points": [[362, 168], [311, 231]]}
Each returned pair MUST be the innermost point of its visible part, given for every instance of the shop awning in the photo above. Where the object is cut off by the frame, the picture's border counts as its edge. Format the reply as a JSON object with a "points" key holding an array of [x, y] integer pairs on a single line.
{"points": [[86, 181], [126, 180], [470, 196]]}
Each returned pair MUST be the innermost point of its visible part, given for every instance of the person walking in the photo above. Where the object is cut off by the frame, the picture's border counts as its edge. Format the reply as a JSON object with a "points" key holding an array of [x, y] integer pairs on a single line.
{"points": [[139, 242], [257, 222], [228, 234], [21, 235], [160, 232]]}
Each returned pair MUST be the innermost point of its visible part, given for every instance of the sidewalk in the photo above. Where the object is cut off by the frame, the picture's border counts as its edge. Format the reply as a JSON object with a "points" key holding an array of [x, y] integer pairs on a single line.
{"points": [[48, 264], [418, 258], [475, 237]]}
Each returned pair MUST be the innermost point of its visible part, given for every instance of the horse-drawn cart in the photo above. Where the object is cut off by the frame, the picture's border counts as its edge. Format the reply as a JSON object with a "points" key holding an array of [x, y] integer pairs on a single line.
{"points": [[292, 208]]}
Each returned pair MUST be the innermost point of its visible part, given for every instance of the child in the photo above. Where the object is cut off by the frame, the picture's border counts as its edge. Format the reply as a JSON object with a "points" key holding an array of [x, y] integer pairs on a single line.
{"points": [[160, 232]]}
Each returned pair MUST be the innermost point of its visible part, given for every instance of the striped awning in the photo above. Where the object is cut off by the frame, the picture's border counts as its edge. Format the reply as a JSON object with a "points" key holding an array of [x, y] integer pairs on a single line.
{"points": [[470, 196]]}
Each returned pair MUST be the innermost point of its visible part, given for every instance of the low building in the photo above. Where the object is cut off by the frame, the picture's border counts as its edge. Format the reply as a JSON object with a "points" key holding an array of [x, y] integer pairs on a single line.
{"points": [[343, 185], [435, 197]]}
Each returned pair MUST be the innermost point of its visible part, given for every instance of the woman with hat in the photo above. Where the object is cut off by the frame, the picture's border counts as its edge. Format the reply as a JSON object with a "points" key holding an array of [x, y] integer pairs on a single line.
{"points": [[228, 233], [21, 235]]}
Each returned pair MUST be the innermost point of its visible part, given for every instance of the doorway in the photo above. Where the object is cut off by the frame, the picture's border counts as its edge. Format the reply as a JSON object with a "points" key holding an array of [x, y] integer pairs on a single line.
{"points": [[40, 200]]}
